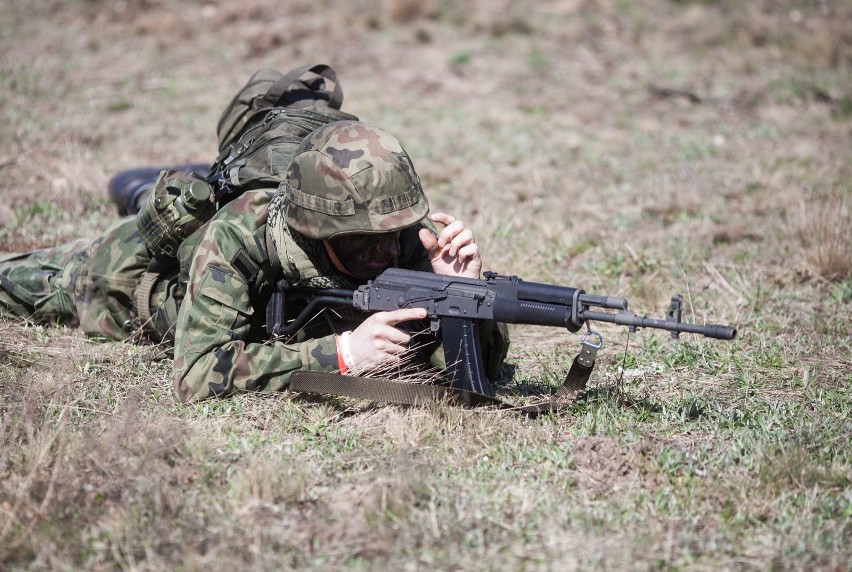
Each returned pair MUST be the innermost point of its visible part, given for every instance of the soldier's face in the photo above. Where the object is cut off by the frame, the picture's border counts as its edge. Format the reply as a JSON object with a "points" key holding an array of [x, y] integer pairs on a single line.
{"points": [[366, 256]]}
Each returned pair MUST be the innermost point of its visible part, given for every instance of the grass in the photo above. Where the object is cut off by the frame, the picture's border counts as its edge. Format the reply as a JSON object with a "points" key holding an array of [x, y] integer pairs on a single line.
{"points": [[566, 135], [826, 236], [660, 473]]}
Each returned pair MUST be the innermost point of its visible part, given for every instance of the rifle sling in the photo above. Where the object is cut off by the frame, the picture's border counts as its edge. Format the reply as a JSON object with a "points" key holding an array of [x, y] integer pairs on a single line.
{"points": [[405, 393]]}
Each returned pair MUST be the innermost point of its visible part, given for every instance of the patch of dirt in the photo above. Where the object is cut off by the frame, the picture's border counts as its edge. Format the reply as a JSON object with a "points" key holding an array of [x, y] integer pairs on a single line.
{"points": [[353, 516], [346, 520], [601, 464]]}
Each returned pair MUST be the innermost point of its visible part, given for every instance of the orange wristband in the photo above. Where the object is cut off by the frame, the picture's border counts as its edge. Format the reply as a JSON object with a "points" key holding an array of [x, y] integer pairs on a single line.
{"points": [[341, 363]]}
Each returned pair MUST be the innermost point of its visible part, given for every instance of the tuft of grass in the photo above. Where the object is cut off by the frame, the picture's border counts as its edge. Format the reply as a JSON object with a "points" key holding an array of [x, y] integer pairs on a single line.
{"points": [[825, 231]]}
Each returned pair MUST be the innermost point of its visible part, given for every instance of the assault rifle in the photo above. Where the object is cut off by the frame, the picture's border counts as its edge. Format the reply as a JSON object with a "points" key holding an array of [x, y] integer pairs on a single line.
{"points": [[454, 304]]}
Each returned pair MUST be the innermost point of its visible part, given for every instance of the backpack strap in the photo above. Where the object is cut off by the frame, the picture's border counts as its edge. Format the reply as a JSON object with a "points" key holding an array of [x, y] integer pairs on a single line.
{"points": [[268, 88], [282, 86]]}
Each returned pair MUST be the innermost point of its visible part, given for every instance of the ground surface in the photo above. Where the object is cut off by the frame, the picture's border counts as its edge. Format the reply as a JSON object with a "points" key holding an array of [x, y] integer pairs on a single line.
{"points": [[631, 147]]}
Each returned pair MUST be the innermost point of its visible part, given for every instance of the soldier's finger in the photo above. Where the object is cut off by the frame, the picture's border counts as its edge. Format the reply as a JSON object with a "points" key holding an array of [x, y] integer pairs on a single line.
{"points": [[449, 232], [462, 239], [393, 349], [395, 317], [442, 218], [396, 336], [468, 252]]}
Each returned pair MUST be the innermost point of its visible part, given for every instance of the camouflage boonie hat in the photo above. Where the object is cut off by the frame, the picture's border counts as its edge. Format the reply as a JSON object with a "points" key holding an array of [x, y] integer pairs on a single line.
{"points": [[349, 177]]}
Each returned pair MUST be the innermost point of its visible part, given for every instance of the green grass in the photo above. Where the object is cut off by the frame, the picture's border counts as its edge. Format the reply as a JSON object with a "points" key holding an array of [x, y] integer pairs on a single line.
{"points": [[720, 465]]}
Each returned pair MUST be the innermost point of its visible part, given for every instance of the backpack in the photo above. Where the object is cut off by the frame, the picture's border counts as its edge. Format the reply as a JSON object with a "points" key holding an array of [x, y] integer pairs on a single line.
{"points": [[259, 132], [268, 88], [260, 157]]}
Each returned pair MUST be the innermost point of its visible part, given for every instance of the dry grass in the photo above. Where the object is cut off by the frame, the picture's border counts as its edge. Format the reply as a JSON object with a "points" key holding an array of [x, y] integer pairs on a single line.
{"points": [[637, 148], [825, 229]]}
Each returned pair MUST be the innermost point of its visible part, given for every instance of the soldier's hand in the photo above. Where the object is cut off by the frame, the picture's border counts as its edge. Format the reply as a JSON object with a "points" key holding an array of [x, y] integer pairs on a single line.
{"points": [[454, 252], [378, 342]]}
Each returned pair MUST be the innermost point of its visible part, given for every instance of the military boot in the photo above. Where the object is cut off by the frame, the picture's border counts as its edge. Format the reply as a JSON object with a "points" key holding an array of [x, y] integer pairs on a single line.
{"points": [[129, 189]]}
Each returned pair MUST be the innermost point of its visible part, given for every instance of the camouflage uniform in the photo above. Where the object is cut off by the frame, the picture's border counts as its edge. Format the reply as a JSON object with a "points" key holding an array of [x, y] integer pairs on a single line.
{"points": [[86, 283], [221, 342], [360, 181]]}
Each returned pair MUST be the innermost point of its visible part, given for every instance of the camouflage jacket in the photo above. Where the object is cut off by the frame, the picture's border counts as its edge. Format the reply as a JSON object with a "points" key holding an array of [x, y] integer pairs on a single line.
{"points": [[230, 266]]}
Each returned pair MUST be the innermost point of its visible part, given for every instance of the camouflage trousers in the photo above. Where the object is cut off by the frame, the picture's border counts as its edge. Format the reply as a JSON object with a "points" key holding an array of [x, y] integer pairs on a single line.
{"points": [[92, 284]]}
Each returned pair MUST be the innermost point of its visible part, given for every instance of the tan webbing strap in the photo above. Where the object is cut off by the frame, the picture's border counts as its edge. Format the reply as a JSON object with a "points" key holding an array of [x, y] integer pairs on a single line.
{"points": [[403, 393], [574, 384], [384, 390], [143, 298]]}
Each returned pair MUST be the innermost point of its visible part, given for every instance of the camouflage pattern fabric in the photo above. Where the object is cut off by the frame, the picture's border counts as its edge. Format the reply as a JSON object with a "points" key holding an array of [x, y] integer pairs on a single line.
{"points": [[166, 298], [303, 259], [360, 180], [350, 177], [221, 343], [86, 283], [310, 85], [37, 285], [260, 157]]}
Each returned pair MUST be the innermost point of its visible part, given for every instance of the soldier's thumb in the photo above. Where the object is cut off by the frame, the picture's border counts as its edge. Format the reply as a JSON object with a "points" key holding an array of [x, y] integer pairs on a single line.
{"points": [[429, 241]]}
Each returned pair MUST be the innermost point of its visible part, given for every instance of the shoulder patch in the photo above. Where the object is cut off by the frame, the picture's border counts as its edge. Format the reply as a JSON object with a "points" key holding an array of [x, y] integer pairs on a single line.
{"points": [[247, 267]]}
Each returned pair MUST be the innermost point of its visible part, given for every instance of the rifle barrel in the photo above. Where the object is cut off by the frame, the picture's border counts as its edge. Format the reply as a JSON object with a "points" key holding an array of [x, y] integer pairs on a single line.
{"points": [[716, 331]]}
